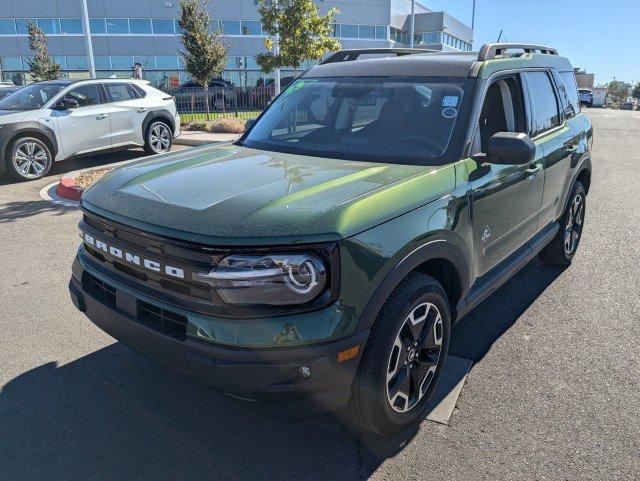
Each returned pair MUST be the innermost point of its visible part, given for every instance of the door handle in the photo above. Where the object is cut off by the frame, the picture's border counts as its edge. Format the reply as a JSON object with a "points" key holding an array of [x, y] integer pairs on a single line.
{"points": [[141, 110], [532, 171], [101, 117], [571, 150]]}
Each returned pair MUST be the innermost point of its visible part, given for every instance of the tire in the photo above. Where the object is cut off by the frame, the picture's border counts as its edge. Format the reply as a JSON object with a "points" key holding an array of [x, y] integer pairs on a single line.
{"points": [[158, 138], [379, 401], [560, 251], [28, 158]]}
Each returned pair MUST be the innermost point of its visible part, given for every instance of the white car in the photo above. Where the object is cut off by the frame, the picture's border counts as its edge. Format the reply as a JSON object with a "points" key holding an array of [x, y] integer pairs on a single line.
{"points": [[53, 120]]}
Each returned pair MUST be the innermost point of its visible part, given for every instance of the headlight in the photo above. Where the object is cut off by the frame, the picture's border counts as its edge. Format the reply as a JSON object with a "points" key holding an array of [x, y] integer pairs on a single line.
{"points": [[271, 280]]}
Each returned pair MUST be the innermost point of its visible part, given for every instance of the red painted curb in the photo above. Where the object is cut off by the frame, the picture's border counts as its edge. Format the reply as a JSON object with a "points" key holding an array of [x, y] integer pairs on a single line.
{"points": [[68, 188]]}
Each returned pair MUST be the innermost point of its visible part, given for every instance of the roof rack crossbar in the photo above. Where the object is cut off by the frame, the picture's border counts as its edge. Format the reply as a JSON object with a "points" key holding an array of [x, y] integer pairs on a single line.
{"points": [[350, 55], [493, 50]]}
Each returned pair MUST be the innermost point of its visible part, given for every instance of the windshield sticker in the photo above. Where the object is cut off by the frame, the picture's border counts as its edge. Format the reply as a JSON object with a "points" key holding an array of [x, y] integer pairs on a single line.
{"points": [[449, 101], [449, 113], [297, 85]]}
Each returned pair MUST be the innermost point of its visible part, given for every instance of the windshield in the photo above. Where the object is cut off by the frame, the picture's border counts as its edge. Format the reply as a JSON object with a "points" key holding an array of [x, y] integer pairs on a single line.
{"points": [[376, 119], [31, 97]]}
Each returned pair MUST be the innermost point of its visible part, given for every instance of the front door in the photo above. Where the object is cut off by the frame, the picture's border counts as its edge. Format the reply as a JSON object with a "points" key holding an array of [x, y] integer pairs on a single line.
{"points": [[505, 198], [86, 127]]}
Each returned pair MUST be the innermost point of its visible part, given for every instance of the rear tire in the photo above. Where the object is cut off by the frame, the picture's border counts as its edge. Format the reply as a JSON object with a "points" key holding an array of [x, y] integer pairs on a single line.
{"points": [[28, 158], [560, 251], [403, 358], [158, 138]]}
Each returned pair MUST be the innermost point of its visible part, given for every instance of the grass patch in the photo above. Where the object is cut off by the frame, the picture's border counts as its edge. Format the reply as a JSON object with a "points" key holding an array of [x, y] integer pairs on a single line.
{"points": [[201, 117]]}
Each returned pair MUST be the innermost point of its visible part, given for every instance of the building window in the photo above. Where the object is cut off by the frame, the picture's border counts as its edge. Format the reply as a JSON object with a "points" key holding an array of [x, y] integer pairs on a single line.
{"points": [[147, 62], [49, 25], [348, 31], [97, 26], [367, 31], [121, 63], [163, 27], [77, 63], [167, 63], [7, 27], [71, 26], [250, 27], [381, 32], [117, 25], [11, 63], [102, 63], [22, 26], [62, 61], [140, 25], [230, 27]]}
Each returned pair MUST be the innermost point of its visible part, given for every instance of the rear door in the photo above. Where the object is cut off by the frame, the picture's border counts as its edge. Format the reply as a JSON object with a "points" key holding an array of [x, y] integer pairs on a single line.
{"points": [[127, 111], [551, 131], [85, 128]]}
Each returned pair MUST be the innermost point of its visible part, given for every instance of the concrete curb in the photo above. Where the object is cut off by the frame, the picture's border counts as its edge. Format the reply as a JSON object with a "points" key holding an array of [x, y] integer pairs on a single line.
{"points": [[193, 142], [67, 187]]}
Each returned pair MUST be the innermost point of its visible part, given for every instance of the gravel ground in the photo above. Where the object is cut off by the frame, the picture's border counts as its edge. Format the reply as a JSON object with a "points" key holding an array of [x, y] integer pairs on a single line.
{"points": [[85, 179], [554, 392]]}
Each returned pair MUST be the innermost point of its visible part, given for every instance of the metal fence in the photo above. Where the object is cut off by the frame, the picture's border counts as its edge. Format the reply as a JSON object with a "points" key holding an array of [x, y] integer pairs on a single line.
{"points": [[244, 103]]}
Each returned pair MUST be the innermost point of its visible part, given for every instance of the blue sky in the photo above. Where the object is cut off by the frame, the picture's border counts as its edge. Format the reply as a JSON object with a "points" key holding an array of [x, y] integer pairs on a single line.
{"points": [[602, 37]]}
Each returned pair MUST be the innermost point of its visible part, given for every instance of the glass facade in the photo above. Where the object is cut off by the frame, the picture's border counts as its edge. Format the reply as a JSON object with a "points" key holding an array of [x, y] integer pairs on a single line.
{"points": [[167, 70]]}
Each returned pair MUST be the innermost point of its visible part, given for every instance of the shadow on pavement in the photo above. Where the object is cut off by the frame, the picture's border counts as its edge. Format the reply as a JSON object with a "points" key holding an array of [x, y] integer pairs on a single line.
{"points": [[115, 414], [13, 211]]}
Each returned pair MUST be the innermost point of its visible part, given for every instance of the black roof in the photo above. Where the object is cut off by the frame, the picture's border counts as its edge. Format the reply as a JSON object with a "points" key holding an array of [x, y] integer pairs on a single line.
{"points": [[417, 65]]}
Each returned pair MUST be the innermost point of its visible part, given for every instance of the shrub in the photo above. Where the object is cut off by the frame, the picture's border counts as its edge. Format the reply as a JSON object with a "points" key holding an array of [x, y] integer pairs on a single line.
{"points": [[226, 125], [221, 125]]}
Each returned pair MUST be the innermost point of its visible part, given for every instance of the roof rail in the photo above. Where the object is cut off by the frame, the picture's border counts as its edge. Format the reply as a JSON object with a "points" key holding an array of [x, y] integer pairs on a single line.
{"points": [[493, 50], [349, 55]]}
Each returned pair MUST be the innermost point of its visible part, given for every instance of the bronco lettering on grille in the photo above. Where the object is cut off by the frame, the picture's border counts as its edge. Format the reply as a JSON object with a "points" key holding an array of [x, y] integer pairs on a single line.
{"points": [[134, 259]]}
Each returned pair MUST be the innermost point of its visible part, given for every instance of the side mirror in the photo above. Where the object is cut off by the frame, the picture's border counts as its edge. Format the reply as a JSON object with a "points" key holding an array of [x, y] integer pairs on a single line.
{"points": [[510, 148], [66, 103], [249, 123]]}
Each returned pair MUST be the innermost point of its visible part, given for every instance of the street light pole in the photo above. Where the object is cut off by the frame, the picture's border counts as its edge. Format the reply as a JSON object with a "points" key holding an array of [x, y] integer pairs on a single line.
{"points": [[87, 39], [276, 48], [413, 22]]}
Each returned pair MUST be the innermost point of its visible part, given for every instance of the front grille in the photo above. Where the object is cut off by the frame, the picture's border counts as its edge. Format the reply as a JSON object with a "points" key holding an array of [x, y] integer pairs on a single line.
{"points": [[99, 289], [162, 320], [169, 251]]}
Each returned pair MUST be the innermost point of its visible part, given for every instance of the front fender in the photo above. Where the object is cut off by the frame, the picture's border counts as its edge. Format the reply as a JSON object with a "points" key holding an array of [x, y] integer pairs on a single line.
{"points": [[9, 132]]}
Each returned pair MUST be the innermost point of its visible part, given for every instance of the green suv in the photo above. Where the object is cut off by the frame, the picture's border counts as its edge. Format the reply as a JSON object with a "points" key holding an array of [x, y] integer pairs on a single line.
{"points": [[319, 261]]}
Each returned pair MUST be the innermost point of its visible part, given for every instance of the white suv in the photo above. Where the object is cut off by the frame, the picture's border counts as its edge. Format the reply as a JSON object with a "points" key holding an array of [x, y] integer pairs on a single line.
{"points": [[56, 119]]}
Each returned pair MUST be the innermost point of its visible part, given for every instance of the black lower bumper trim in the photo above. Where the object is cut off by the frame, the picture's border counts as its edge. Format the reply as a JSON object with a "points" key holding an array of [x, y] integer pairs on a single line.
{"points": [[273, 378]]}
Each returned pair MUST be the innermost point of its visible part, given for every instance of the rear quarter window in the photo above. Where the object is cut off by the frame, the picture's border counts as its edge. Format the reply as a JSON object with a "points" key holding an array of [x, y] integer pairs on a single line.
{"points": [[571, 89]]}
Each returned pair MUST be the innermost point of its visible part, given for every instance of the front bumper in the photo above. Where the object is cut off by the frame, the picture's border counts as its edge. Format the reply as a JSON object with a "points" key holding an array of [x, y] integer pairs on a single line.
{"points": [[271, 380]]}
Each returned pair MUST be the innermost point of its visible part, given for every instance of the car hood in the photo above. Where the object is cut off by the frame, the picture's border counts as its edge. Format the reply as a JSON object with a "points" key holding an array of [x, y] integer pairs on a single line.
{"points": [[10, 116], [232, 195]]}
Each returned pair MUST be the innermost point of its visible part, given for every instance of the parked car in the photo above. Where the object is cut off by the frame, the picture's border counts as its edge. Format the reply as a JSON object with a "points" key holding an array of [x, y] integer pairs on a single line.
{"points": [[190, 96], [586, 97], [628, 104], [57, 119], [6, 89], [320, 261]]}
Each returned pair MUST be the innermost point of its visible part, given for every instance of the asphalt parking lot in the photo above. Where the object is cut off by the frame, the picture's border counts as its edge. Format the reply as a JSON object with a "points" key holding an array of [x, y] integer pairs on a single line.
{"points": [[554, 392]]}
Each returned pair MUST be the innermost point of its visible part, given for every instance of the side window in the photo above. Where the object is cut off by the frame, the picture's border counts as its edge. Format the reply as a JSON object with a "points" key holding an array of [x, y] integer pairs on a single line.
{"points": [[545, 114], [571, 88], [85, 95], [120, 92], [502, 111]]}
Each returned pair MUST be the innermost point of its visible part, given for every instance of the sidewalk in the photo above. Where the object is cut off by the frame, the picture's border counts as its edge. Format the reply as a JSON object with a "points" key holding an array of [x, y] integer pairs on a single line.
{"points": [[195, 138]]}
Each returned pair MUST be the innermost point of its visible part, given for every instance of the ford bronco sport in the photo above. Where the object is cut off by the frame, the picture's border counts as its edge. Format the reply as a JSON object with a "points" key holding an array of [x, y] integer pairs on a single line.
{"points": [[319, 261]]}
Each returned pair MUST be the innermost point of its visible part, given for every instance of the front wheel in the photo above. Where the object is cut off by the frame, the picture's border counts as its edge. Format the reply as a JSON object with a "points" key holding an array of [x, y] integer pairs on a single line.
{"points": [[560, 251], [403, 358], [28, 159], [159, 138]]}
